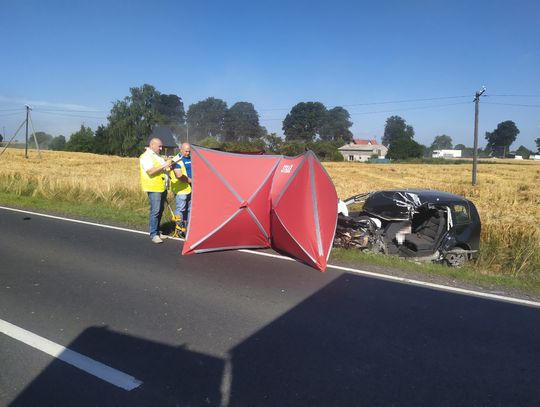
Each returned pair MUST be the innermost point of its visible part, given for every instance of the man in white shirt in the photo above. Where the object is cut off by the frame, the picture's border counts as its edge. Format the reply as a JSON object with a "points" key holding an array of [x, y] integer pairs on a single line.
{"points": [[153, 172]]}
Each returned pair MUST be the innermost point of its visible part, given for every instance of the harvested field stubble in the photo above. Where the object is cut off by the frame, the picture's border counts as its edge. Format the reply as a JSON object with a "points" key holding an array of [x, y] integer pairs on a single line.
{"points": [[506, 195]]}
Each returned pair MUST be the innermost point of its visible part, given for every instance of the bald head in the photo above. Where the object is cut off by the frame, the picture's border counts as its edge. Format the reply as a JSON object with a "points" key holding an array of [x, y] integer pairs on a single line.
{"points": [[155, 145], [185, 149]]}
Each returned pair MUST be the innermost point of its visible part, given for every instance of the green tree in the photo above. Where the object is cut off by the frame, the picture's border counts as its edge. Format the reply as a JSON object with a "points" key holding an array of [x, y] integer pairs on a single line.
{"points": [[171, 108], [58, 143], [460, 147], [1, 138], [241, 123], [336, 125], [43, 139], [405, 148], [206, 118], [537, 141], [304, 121], [82, 140], [293, 148], [396, 128], [273, 143], [131, 119], [500, 139], [442, 142], [524, 152], [101, 141], [327, 150]]}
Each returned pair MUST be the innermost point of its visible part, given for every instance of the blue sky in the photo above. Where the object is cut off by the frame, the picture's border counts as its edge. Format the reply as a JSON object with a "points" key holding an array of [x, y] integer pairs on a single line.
{"points": [[70, 60]]}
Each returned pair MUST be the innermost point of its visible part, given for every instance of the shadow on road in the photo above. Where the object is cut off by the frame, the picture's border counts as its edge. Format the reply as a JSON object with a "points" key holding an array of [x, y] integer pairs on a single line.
{"points": [[171, 376], [355, 342]]}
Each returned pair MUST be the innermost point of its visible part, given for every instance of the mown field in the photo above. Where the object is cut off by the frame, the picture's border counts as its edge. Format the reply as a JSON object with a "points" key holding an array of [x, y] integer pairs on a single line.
{"points": [[108, 187]]}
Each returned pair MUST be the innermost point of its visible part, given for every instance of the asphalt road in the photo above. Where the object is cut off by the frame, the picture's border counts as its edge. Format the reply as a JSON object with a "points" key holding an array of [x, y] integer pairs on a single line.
{"points": [[237, 329]]}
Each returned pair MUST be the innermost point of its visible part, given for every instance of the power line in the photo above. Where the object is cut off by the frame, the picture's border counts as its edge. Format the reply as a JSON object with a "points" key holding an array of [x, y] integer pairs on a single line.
{"points": [[393, 110], [12, 110], [72, 115], [409, 108], [70, 110], [510, 104], [379, 103], [520, 96]]}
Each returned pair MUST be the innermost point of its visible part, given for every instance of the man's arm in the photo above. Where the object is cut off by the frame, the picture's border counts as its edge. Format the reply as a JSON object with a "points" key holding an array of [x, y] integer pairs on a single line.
{"points": [[155, 170]]}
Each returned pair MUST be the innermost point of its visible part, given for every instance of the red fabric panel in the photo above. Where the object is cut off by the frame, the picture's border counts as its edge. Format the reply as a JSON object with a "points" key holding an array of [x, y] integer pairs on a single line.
{"points": [[327, 200], [295, 209], [282, 241], [261, 205], [241, 231], [244, 173], [211, 202], [284, 171]]}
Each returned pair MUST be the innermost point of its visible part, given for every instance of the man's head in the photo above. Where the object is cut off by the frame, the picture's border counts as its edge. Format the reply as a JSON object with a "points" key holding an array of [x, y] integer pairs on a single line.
{"points": [[185, 149], [155, 145]]}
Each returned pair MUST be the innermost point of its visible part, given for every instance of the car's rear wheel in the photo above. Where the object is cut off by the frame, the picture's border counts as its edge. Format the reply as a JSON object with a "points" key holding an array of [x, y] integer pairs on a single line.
{"points": [[456, 257]]}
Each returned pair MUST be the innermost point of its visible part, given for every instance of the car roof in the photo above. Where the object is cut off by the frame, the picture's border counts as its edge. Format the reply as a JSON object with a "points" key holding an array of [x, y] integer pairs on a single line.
{"points": [[427, 195]]}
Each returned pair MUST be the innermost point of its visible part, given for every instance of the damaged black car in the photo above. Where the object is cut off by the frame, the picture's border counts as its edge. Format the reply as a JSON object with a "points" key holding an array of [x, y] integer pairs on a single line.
{"points": [[424, 225]]}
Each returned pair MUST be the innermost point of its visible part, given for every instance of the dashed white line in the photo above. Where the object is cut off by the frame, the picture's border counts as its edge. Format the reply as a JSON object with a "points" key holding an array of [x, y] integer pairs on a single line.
{"points": [[95, 368], [396, 279]]}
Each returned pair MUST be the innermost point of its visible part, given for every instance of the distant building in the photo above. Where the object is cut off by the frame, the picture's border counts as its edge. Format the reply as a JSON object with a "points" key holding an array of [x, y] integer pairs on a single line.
{"points": [[446, 154], [167, 137], [363, 150], [534, 157]]}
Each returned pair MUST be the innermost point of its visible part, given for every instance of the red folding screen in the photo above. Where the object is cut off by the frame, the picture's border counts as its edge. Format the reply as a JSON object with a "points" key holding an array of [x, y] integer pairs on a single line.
{"points": [[248, 201]]}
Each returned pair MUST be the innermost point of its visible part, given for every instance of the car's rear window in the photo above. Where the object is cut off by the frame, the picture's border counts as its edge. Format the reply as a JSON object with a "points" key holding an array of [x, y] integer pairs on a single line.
{"points": [[462, 214]]}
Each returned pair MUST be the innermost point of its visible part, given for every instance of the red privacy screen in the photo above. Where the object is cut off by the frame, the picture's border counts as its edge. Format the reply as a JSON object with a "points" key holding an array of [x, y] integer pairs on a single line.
{"points": [[262, 201]]}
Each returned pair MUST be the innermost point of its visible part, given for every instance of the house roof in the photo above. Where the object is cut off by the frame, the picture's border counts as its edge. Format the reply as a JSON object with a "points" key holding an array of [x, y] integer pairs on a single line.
{"points": [[365, 142], [368, 148], [165, 134]]}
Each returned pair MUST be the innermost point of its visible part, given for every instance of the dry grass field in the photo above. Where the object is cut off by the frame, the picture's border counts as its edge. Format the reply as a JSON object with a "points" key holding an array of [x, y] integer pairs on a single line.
{"points": [[506, 195]]}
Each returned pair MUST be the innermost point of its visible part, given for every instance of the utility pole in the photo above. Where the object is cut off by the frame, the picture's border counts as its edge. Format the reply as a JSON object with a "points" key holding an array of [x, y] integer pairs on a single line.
{"points": [[475, 148], [26, 145]]}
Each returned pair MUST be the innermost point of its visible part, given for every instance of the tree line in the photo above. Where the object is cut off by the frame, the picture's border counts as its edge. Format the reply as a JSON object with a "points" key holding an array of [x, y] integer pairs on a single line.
{"points": [[211, 123]]}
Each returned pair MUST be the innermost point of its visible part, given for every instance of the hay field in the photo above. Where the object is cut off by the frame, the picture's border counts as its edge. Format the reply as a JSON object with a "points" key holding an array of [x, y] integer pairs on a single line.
{"points": [[506, 195]]}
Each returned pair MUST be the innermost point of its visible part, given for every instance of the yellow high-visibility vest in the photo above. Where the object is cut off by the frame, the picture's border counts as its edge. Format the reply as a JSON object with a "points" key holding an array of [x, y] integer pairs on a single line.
{"points": [[178, 186], [154, 183]]}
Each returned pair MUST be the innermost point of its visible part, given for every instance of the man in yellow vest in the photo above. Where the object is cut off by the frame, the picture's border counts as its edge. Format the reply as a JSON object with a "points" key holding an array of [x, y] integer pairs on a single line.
{"points": [[181, 184], [153, 170]]}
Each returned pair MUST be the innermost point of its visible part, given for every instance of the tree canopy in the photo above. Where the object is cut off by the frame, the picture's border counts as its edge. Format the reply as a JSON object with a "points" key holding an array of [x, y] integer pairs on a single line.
{"points": [[307, 120], [82, 140], [524, 152], [336, 125], [442, 142], [206, 118], [405, 148], [537, 141], [241, 123], [395, 129], [500, 139], [304, 121], [58, 143]]}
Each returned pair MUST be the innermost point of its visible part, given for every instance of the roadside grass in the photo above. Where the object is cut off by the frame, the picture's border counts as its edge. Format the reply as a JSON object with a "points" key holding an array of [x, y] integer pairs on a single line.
{"points": [[467, 274]]}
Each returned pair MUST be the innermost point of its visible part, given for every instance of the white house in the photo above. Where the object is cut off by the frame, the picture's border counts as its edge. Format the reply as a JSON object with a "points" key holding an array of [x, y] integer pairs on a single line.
{"points": [[446, 154], [362, 150]]}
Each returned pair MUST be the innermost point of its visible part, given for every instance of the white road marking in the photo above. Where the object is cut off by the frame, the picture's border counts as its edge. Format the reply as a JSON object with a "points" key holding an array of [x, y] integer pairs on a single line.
{"points": [[95, 368], [402, 280]]}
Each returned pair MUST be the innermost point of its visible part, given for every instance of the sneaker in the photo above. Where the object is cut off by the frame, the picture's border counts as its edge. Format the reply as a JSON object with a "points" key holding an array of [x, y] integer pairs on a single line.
{"points": [[157, 239], [162, 236]]}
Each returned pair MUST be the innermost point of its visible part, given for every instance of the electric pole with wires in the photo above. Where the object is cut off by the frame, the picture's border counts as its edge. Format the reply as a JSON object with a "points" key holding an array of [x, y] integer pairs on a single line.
{"points": [[475, 148], [25, 122]]}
